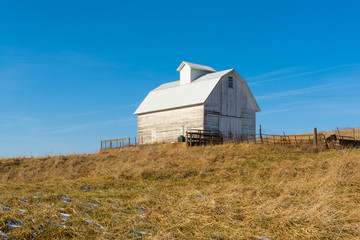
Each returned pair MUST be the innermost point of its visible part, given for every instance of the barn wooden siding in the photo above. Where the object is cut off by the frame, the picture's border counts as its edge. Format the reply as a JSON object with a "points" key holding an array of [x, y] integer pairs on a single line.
{"points": [[167, 125], [229, 109]]}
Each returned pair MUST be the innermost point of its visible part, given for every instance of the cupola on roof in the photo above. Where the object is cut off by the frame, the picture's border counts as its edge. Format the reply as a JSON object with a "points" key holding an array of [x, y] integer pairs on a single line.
{"points": [[195, 66], [189, 72]]}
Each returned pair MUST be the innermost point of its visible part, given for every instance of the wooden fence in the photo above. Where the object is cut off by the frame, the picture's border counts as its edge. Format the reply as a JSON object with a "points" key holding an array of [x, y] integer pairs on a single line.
{"points": [[296, 140], [197, 137], [116, 143], [330, 139]]}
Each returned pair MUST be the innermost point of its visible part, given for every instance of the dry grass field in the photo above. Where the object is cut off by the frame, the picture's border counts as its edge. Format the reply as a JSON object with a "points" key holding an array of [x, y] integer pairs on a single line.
{"points": [[231, 191], [350, 132]]}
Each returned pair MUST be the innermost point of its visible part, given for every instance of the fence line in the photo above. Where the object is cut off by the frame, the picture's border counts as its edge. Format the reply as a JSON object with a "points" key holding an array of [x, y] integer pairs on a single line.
{"points": [[116, 143], [331, 139], [195, 137], [204, 137], [273, 139]]}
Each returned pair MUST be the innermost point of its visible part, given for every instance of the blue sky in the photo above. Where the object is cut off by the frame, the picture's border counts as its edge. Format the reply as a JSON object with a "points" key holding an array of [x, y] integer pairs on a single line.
{"points": [[73, 72]]}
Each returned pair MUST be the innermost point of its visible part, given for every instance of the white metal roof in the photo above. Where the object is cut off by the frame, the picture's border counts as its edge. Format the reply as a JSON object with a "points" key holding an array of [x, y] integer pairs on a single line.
{"points": [[195, 66], [174, 95]]}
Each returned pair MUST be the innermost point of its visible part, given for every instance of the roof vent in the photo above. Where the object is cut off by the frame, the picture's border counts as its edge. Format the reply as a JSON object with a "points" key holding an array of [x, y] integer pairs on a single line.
{"points": [[191, 71]]}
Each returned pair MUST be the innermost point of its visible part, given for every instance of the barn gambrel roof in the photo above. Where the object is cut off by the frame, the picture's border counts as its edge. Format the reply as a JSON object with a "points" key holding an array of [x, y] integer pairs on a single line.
{"points": [[175, 95]]}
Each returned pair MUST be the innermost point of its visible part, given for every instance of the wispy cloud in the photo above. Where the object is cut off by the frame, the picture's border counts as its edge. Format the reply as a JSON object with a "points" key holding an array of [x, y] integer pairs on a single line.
{"points": [[269, 77], [307, 90], [286, 107], [71, 128], [91, 112], [276, 73], [296, 91], [75, 58], [63, 129], [31, 125], [14, 76], [279, 110], [16, 57], [65, 116]]}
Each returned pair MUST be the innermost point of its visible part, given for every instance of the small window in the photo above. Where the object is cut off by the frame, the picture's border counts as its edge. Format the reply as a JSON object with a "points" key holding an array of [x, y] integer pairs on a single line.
{"points": [[230, 82]]}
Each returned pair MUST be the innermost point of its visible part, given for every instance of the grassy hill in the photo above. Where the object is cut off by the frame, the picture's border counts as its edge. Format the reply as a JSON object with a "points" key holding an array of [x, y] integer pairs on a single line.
{"points": [[232, 191]]}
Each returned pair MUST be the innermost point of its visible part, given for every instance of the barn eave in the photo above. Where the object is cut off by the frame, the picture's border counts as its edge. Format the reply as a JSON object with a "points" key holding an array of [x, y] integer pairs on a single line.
{"points": [[169, 109]]}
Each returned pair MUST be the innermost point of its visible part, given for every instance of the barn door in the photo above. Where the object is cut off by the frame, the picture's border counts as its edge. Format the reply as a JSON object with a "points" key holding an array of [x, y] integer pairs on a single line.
{"points": [[236, 126], [230, 125], [224, 125]]}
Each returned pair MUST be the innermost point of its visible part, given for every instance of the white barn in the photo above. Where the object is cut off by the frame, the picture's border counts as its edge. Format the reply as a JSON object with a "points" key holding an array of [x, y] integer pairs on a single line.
{"points": [[202, 99]]}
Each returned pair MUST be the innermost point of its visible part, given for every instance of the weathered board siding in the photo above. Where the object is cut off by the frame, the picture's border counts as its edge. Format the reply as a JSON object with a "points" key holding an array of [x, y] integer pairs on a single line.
{"points": [[167, 125], [229, 109]]}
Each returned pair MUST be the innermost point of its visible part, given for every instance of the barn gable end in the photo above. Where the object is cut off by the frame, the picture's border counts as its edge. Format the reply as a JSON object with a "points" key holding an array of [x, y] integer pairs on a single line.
{"points": [[231, 109]]}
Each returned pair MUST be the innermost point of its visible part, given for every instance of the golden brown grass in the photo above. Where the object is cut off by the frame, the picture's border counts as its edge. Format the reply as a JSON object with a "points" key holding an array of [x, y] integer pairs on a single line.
{"points": [[232, 191], [348, 132]]}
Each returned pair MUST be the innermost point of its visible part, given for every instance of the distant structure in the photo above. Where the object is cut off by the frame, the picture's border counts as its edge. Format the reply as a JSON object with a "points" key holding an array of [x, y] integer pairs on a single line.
{"points": [[201, 99]]}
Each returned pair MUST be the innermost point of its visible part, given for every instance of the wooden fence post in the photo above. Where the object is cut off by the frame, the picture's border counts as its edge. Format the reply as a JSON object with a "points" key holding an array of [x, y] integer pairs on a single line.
{"points": [[190, 139], [315, 137], [261, 139]]}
